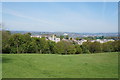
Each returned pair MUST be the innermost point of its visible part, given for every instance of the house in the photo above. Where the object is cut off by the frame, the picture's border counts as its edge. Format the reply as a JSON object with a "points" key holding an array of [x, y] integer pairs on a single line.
{"points": [[48, 37], [54, 38], [102, 40], [65, 34], [38, 36], [80, 42]]}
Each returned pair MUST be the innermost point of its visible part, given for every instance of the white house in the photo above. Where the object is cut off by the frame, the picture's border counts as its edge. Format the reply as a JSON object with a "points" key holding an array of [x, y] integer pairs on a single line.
{"points": [[80, 42], [102, 41], [38, 36], [54, 38], [65, 34], [49, 37]]}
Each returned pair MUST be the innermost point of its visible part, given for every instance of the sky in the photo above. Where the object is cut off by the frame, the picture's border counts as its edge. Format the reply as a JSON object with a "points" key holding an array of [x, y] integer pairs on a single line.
{"points": [[93, 17]]}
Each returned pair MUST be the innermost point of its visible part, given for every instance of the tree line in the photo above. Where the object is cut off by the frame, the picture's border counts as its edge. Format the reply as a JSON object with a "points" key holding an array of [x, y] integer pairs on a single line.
{"points": [[23, 43]]}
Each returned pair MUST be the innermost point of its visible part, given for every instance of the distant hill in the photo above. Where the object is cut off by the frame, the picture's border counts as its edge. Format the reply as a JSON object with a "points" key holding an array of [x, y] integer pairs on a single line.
{"points": [[71, 34]]}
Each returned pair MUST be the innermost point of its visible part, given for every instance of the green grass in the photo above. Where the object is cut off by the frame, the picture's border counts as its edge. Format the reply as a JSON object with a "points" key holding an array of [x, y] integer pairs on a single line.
{"points": [[100, 65], [0, 66]]}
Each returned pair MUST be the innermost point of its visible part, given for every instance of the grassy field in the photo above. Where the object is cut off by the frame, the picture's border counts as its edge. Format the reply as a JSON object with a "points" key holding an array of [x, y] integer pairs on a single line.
{"points": [[100, 65], [0, 66]]}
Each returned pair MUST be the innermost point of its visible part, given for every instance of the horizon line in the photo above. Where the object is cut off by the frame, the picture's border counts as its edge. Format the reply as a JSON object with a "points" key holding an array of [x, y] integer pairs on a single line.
{"points": [[61, 31]]}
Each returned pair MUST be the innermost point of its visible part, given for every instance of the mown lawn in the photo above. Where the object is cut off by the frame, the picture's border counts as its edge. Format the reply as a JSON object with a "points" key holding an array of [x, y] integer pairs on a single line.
{"points": [[99, 65], [0, 66]]}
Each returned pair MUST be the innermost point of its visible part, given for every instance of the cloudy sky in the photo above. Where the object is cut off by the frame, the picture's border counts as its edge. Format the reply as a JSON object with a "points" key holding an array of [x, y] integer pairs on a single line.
{"points": [[61, 16]]}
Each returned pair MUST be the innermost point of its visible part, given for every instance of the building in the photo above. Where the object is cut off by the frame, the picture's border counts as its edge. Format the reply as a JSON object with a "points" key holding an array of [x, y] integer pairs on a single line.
{"points": [[48, 37], [102, 40], [38, 36], [80, 42], [53, 38], [65, 34]]}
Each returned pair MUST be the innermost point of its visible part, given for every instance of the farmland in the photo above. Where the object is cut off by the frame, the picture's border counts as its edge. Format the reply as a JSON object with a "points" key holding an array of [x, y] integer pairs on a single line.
{"points": [[99, 65]]}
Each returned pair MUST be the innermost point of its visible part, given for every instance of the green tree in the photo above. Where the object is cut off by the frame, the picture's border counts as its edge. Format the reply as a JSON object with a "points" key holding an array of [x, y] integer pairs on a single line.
{"points": [[26, 41], [65, 47], [116, 45], [95, 47], [32, 47], [85, 50], [51, 46], [66, 37], [42, 45], [29, 33], [15, 41], [107, 47], [5, 43], [61, 37], [78, 49]]}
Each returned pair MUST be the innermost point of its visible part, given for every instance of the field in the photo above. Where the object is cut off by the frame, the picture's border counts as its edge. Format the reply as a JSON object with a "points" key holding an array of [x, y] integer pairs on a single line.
{"points": [[0, 66], [99, 65]]}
